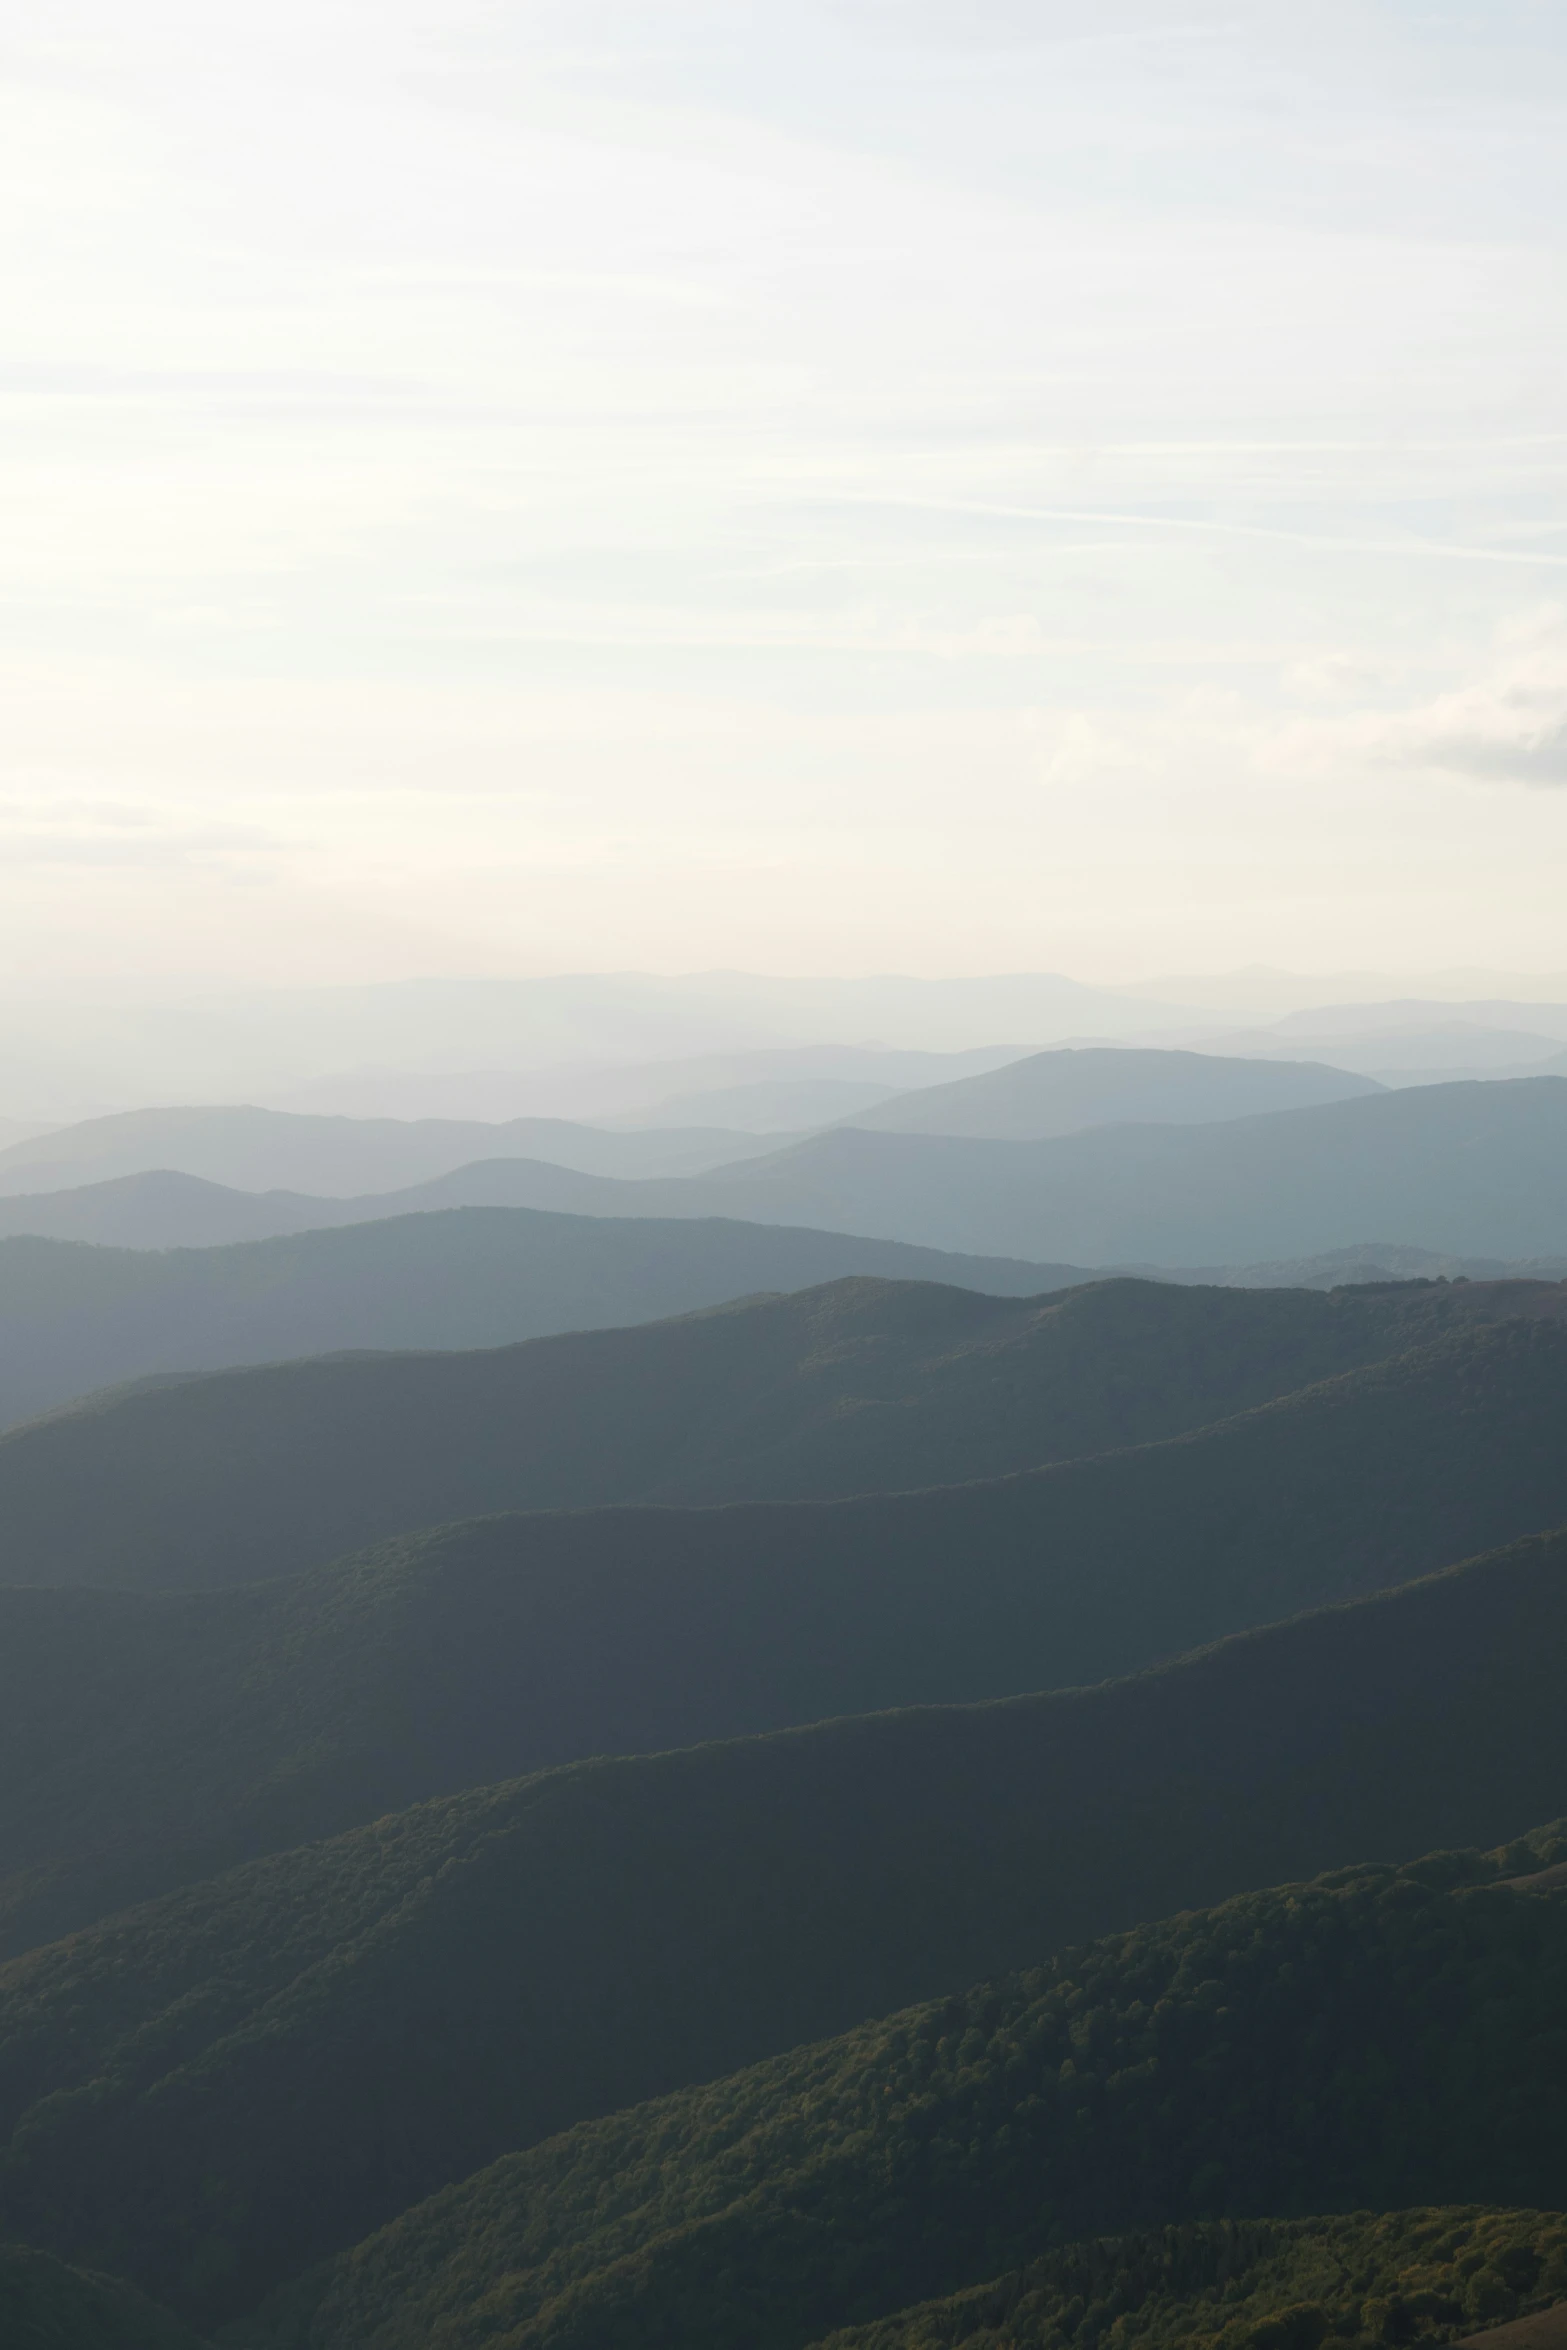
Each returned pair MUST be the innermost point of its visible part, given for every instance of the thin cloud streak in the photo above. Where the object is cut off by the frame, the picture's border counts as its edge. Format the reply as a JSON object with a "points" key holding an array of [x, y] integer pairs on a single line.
{"points": [[1208, 524], [858, 483]]}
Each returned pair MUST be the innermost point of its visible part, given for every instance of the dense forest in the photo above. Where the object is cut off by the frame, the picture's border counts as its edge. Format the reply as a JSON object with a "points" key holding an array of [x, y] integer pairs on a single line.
{"points": [[238, 2078], [1380, 2038], [1366, 2279], [469, 1936]]}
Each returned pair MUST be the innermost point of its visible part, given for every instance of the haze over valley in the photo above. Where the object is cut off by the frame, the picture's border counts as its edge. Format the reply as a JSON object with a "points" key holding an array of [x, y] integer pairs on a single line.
{"points": [[447, 1561]]}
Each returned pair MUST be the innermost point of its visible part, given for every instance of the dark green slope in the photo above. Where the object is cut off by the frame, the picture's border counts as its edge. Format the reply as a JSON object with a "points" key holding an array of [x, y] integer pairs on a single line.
{"points": [[210, 2092], [1426, 2276], [148, 1739], [75, 1318], [44, 2305], [1375, 2039], [860, 1387]]}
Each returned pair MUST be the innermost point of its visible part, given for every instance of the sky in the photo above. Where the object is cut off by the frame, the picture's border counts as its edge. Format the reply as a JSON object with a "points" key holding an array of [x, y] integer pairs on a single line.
{"points": [[492, 488]]}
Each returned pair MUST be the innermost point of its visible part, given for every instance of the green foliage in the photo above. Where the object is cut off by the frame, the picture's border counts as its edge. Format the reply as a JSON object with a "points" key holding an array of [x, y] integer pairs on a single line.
{"points": [[1369, 2280], [214, 2090], [1379, 2038], [46, 2306]]}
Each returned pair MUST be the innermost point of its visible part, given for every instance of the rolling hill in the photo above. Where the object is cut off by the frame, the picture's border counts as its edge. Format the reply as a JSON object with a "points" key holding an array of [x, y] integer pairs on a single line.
{"points": [[210, 2092], [150, 1738], [252, 1149], [1379, 2037], [1065, 1091], [1467, 1170], [642, 1092], [857, 1387], [267, 1150], [75, 1318], [1470, 1169], [162, 1210]]}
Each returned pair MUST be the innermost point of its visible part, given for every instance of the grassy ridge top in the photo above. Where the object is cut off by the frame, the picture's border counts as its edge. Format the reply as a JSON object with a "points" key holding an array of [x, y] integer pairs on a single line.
{"points": [[1378, 2038], [147, 1740], [214, 2090], [1424, 2276]]}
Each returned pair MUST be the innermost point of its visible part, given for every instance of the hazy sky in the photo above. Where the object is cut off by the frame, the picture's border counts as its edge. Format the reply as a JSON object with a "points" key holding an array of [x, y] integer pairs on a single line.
{"points": [[1000, 484]]}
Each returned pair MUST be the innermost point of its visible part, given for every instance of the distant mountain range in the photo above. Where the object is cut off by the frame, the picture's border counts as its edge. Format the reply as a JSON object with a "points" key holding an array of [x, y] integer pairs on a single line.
{"points": [[217, 2089], [263, 1150], [1468, 1171], [553, 1031], [268, 1150], [1473, 1169], [75, 1318], [1065, 1092], [645, 1092], [1436, 1055], [863, 1387]]}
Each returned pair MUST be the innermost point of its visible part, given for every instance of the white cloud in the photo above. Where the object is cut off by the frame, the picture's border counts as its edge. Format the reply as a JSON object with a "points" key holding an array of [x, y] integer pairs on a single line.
{"points": [[1510, 723]]}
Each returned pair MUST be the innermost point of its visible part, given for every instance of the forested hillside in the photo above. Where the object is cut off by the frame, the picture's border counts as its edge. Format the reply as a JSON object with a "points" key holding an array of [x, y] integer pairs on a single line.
{"points": [[150, 1737], [860, 1387], [1367, 2278], [211, 2091], [1376, 2039]]}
